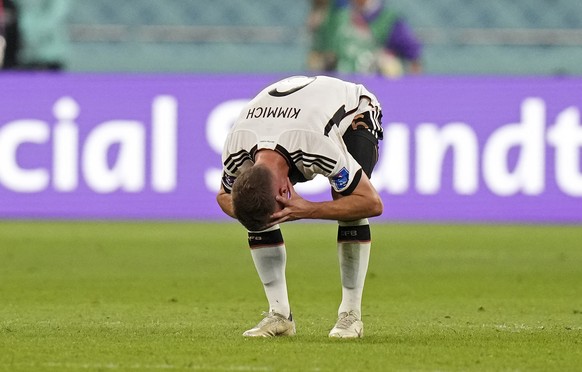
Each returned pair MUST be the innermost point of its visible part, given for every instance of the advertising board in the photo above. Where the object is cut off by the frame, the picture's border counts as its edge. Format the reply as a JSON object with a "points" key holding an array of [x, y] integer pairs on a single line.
{"points": [[456, 149]]}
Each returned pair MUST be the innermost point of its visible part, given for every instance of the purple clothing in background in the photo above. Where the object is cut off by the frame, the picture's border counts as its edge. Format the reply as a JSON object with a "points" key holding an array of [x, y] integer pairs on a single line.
{"points": [[403, 42]]}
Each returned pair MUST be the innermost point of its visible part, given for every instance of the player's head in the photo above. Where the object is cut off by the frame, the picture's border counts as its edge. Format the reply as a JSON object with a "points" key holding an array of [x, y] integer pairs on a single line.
{"points": [[253, 197]]}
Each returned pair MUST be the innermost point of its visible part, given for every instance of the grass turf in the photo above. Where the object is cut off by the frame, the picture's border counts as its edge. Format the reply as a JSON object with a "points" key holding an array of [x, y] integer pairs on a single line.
{"points": [[154, 296]]}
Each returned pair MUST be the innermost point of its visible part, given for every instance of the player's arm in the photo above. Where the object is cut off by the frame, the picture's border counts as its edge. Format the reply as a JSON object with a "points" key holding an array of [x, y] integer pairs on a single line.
{"points": [[363, 202], [224, 199]]}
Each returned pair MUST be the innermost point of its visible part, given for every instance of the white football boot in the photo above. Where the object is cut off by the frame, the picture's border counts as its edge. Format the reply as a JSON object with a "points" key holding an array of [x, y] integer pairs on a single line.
{"points": [[273, 324], [349, 325]]}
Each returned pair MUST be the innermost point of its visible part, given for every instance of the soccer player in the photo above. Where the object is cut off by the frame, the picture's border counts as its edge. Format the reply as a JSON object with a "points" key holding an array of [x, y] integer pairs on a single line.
{"points": [[290, 132]]}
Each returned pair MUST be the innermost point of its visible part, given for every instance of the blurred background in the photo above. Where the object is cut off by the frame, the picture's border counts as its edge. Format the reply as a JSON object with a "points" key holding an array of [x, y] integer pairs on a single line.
{"points": [[458, 36], [199, 60]]}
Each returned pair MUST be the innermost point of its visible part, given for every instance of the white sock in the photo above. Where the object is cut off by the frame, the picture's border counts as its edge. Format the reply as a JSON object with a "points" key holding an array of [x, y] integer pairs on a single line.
{"points": [[269, 255], [354, 254]]}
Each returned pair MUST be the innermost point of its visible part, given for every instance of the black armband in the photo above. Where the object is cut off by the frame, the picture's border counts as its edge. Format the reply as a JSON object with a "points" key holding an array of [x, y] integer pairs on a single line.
{"points": [[265, 239], [349, 234], [354, 184]]}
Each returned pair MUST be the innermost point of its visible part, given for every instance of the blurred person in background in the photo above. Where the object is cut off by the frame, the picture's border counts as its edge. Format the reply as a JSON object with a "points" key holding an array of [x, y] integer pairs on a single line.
{"points": [[9, 35], [362, 36], [44, 34]]}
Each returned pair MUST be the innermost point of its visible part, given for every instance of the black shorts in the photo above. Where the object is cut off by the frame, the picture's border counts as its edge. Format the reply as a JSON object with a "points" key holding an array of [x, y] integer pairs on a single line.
{"points": [[362, 142]]}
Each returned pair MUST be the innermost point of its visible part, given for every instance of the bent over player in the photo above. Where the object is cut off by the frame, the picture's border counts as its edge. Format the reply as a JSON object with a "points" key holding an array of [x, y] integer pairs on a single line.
{"points": [[290, 132]]}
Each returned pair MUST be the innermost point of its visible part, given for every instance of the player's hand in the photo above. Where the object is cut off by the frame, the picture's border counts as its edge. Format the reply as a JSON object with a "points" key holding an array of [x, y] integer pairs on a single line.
{"points": [[294, 207]]}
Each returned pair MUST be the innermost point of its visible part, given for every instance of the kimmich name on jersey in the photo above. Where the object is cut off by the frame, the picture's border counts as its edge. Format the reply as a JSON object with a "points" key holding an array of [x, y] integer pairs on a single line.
{"points": [[273, 112]]}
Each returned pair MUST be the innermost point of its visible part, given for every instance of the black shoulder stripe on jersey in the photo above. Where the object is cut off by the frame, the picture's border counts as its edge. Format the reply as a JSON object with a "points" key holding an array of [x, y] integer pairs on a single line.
{"points": [[338, 119], [342, 113], [236, 155], [376, 116], [302, 153], [311, 160], [253, 152], [323, 167], [294, 174], [335, 119], [234, 164], [322, 160], [325, 163], [234, 161]]}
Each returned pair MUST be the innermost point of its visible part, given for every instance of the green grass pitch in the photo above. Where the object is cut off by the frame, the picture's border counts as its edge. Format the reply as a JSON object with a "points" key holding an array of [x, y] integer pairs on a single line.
{"points": [[146, 296]]}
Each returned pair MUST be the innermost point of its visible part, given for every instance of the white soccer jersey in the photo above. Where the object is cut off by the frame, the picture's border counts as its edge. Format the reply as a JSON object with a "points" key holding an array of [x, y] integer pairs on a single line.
{"points": [[303, 118]]}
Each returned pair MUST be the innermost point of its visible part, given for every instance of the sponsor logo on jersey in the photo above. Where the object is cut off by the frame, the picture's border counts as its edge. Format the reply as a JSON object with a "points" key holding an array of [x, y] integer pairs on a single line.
{"points": [[273, 112], [340, 180], [291, 85]]}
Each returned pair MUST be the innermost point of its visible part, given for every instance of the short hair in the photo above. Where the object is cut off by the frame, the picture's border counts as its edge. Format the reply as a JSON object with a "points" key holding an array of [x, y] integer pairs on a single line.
{"points": [[253, 197]]}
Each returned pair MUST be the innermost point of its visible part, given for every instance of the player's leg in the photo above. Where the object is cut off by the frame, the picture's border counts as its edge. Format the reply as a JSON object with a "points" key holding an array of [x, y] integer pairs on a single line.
{"points": [[269, 255], [354, 237], [354, 244]]}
